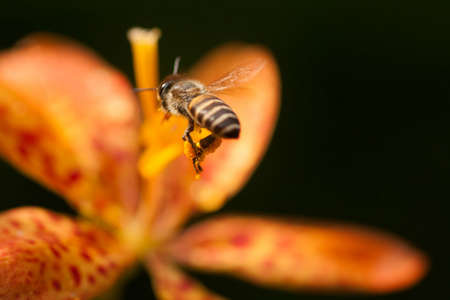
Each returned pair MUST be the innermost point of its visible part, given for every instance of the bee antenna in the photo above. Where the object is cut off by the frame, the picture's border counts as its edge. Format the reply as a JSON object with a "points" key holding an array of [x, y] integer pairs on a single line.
{"points": [[144, 89], [176, 64]]}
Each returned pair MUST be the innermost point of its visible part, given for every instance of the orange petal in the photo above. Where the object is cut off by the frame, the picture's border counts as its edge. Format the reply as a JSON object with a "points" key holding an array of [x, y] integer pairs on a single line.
{"points": [[314, 256], [170, 283], [70, 121], [256, 105], [44, 255]]}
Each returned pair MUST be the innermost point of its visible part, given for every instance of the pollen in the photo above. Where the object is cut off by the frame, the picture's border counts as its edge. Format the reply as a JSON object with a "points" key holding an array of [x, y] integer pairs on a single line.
{"points": [[190, 152]]}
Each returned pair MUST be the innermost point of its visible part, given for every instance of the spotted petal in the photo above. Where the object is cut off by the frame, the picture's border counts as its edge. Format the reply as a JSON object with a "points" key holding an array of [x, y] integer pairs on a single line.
{"points": [[70, 121], [48, 256], [306, 255], [256, 104], [171, 283]]}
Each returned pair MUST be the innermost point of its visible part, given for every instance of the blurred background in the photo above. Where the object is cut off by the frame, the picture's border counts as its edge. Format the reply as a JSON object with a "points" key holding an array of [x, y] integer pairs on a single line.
{"points": [[364, 131]]}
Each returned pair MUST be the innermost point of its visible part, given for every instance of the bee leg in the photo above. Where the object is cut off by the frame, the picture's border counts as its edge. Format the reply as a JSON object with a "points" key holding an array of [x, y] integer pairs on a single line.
{"points": [[198, 151], [197, 167], [187, 136]]}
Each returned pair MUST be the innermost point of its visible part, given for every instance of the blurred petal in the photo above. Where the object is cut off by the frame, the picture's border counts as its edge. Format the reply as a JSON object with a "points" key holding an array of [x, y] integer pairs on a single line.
{"points": [[314, 256], [170, 283], [71, 122], [173, 194], [164, 146], [256, 105], [48, 256]]}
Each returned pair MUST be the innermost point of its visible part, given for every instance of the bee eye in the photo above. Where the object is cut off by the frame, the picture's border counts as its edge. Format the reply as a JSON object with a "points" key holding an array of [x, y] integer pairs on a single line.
{"points": [[164, 88]]}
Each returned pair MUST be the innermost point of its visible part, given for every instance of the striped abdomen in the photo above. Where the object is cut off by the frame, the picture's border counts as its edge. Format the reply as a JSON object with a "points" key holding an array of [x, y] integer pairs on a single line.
{"points": [[210, 112]]}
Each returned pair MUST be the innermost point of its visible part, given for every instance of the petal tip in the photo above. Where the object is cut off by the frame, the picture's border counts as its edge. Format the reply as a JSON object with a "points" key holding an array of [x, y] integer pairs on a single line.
{"points": [[400, 270]]}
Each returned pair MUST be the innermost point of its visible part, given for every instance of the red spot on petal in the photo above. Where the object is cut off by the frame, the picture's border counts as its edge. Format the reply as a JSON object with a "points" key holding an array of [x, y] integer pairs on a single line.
{"points": [[29, 138], [31, 260], [41, 268], [241, 240], [75, 275], [101, 251], [23, 151], [31, 242], [91, 279], [73, 177], [54, 217], [63, 247], [27, 251], [56, 285], [185, 284], [26, 140], [90, 236], [85, 256], [49, 165], [39, 224], [112, 265], [15, 224], [102, 270]]}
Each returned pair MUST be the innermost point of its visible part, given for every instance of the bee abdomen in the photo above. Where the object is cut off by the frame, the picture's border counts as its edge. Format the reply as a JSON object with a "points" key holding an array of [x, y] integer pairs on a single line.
{"points": [[212, 113]]}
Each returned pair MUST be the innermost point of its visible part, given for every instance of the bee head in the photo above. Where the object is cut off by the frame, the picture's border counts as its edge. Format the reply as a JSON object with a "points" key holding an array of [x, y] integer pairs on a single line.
{"points": [[166, 85]]}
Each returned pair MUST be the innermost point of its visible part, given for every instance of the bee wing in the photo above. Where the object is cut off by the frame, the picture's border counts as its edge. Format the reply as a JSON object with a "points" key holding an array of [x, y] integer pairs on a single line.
{"points": [[237, 76]]}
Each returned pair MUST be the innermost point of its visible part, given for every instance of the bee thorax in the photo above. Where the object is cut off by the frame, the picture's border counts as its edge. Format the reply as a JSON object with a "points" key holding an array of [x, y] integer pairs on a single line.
{"points": [[177, 93]]}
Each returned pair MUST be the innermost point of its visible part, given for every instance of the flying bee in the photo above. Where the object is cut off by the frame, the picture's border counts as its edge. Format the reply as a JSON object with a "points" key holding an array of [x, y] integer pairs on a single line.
{"points": [[195, 101]]}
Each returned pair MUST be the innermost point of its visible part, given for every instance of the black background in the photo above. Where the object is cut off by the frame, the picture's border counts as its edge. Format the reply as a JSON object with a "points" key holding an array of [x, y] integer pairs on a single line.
{"points": [[363, 133]]}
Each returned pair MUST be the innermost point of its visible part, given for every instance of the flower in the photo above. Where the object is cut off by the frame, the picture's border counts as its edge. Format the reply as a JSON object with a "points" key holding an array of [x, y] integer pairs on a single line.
{"points": [[71, 122]]}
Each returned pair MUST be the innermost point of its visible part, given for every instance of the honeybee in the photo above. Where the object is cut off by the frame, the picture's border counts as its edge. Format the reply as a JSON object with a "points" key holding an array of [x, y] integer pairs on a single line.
{"points": [[195, 101]]}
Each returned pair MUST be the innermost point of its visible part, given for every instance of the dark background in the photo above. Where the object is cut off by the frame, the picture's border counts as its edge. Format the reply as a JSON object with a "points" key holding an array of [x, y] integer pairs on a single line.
{"points": [[363, 134]]}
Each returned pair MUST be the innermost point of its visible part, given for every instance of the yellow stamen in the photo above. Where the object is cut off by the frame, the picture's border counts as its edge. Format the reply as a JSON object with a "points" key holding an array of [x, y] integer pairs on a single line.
{"points": [[159, 137], [144, 45]]}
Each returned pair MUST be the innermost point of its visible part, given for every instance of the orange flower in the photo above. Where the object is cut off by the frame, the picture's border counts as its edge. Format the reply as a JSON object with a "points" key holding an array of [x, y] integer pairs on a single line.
{"points": [[71, 122]]}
